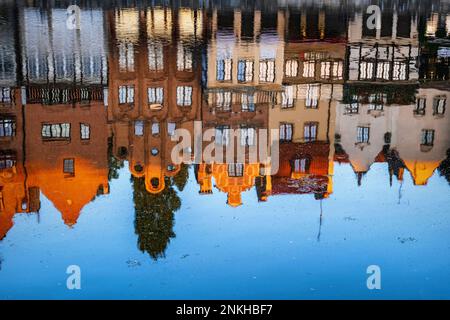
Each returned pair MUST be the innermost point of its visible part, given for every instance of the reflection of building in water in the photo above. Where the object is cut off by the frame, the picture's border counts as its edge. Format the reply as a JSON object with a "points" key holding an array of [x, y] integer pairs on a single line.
{"points": [[416, 131], [9, 40], [15, 197], [51, 52], [154, 86], [245, 72], [313, 78]]}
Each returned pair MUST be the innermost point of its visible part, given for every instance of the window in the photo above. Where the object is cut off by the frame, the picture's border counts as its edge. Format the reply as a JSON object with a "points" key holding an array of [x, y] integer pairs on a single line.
{"points": [[155, 95], [171, 126], [309, 69], [366, 70], [376, 101], [184, 96], [184, 58], [223, 100], [312, 96], [155, 57], [267, 70], [69, 166], [301, 165], [155, 128], [126, 57], [288, 97], [331, 70], [383, 70], [139, 128], [399, 71], [56, 131], [85, 131], [247, 136], [5, 95], [362, 134], [235, 170], [421, 105], [126, 94], [439, 103], [245, 71], [291, 68], [7, 127], [286, 130], [222, 136], [248, 102], [353, 107], [310, 131], [7, 159], [427, 137], [224, 70]]}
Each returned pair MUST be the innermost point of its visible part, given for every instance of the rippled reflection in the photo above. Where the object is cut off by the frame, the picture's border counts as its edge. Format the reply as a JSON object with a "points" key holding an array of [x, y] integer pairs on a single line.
{"points": [[77, 106]]}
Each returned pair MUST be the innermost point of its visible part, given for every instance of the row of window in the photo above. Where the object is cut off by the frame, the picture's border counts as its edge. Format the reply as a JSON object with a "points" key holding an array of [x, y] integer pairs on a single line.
{"points": [[223, 135], [363, 136], [439, 104], [139, 126], [155, 95], [329, 70], [310, 131], [62, 131], [223, 101], [155, 57], [311, 99], [369, 70], [245, 70]]}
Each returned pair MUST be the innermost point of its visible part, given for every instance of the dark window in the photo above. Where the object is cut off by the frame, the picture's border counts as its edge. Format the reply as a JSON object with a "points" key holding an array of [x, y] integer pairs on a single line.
{"points": [[7, 127]]}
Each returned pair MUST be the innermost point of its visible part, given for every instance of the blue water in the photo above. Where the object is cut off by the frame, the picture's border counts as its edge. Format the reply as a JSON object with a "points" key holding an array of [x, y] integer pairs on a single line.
{"points": [[259, 250]]}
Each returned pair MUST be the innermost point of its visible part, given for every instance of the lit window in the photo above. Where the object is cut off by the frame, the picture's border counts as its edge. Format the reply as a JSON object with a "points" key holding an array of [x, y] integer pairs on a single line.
{"points": [[7, 127], [155, 95], [56, 131], [85, 131], [184, 96], [286, 130], [331, 70], [126, 94], [362, 134], [310, 131], [427, 137]]}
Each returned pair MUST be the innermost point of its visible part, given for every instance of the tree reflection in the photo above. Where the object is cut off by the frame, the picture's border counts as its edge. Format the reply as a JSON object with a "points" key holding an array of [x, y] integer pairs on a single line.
{"points": [[154, 213]]}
